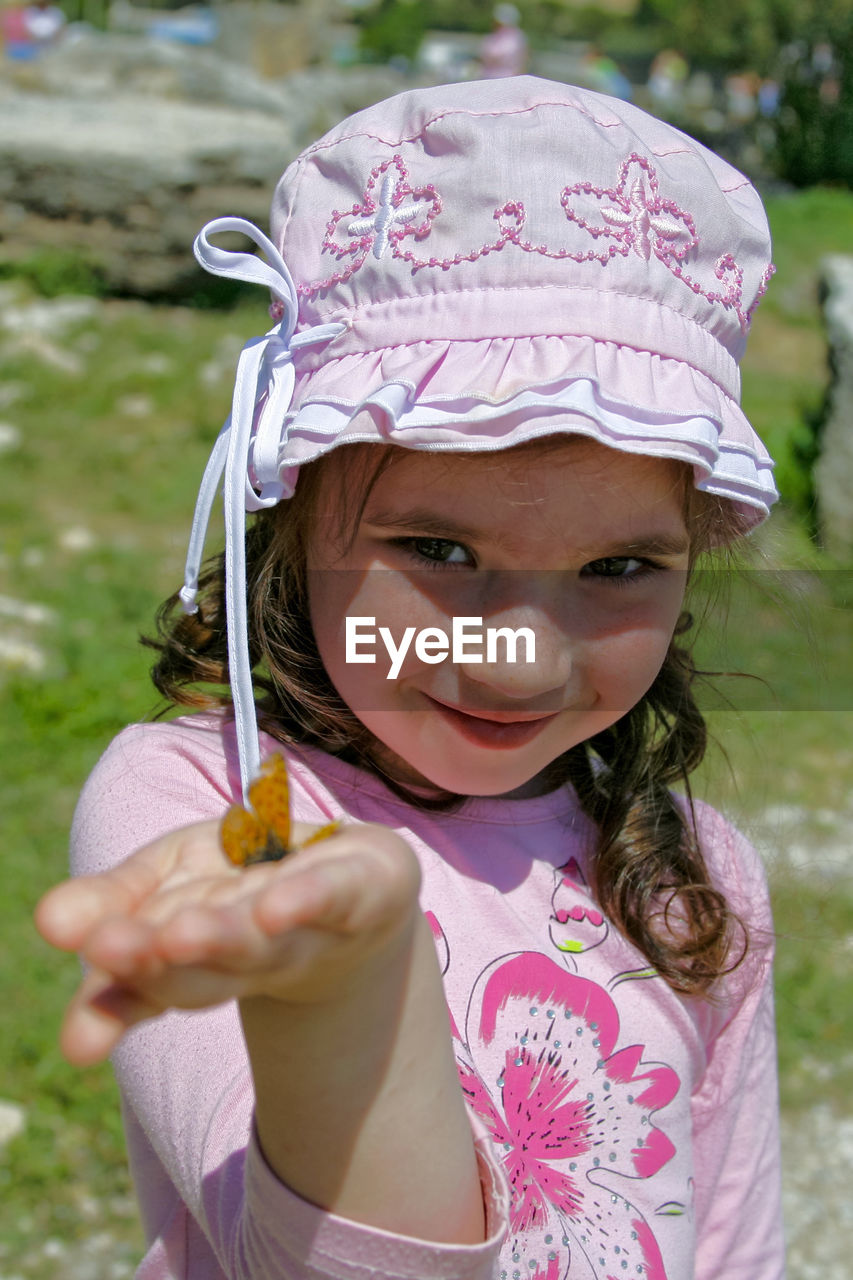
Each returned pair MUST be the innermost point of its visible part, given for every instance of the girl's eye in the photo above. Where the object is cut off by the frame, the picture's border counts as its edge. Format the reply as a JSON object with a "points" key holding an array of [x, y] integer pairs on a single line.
{"points": [[618, 567], [436, 551]]}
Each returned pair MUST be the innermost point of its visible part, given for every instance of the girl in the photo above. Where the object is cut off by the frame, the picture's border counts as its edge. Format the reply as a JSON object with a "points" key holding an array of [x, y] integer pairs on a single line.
{"points": [[513, 1016]]}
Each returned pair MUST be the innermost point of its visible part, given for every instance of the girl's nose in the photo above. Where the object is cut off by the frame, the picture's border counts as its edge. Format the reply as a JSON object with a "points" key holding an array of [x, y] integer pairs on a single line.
{"points": [[526, 655]]}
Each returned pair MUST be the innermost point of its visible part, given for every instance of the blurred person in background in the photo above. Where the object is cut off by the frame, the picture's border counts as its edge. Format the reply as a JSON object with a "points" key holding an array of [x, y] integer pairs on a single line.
{"points": [[668, 77], [44, 22], [26, 29], [602, 74], [504, 50], [742, 96]]}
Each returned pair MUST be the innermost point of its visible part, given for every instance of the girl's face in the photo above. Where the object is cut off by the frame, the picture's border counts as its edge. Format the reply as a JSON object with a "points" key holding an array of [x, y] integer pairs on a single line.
{"points": [[584, 546]]}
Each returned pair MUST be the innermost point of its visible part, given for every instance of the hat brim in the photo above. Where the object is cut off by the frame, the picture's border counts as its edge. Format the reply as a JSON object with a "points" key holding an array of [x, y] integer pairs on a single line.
{"points": [[495, 393]]}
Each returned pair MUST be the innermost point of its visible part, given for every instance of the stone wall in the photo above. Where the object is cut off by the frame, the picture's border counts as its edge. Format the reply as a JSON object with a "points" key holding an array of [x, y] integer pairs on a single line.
{"points": [[118, 148]]}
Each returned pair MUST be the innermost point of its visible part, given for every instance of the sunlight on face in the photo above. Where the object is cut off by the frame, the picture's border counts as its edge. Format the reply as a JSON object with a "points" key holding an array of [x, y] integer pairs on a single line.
{"points": [[584, 546]]}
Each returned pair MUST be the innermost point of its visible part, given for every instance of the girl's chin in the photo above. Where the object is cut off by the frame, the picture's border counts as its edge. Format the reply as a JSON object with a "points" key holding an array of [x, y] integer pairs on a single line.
{"points": [[478, 773], [486, 788]]}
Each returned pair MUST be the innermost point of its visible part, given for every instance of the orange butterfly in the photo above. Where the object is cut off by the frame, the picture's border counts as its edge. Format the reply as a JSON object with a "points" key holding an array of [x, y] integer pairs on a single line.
{"points": [[264, 835]]}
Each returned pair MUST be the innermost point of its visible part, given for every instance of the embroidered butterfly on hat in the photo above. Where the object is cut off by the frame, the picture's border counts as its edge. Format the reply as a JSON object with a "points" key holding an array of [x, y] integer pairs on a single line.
{"points": [[262, 833]]}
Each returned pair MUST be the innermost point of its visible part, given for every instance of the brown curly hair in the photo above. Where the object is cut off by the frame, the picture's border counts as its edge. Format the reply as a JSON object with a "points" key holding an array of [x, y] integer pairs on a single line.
{"points": [[650, 876]]}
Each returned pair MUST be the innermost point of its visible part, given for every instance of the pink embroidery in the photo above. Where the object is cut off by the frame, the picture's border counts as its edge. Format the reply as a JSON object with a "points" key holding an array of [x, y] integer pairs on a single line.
{"points": [[379, 223], [767, 276], [645, 223], [636, 220], [631, 218]]}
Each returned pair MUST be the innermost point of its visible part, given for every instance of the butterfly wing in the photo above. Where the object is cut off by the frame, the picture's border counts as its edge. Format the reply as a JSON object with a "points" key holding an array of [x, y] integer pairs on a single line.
{"points": [[320, 834], [243, 837], [269, 796], [263, 834]]}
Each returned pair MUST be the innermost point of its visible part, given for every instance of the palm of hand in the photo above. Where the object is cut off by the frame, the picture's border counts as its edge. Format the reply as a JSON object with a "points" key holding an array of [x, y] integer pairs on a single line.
{"points": [[176, 926]]}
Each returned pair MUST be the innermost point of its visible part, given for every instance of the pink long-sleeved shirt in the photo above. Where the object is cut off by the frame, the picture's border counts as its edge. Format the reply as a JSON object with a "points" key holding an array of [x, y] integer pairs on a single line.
{"points": [[622, 1130]]}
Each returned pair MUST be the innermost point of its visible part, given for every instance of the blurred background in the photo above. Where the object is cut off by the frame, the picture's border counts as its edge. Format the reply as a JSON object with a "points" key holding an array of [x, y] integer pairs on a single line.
{"points": [[124, 128]]}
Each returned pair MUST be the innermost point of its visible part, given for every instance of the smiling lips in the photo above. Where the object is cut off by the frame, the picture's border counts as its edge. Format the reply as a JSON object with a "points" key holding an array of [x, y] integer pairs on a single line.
{"points": [[499, 729]]}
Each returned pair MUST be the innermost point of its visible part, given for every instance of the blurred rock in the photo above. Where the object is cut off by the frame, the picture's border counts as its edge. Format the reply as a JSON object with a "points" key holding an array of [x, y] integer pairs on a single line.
{"points": [[834, 469], [275, 39], [128, 181], [98, 63], [817, 1149], [12, 1121], [10, 436], [119, 148]]}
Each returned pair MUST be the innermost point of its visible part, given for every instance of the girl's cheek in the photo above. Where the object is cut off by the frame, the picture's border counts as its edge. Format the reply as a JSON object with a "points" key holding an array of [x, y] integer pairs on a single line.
{"points": [[627, 663], [394, 601], [367, 624]]}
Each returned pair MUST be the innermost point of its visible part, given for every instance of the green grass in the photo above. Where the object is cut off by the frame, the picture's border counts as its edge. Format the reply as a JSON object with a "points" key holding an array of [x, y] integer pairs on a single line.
{"points": [[814, 992], [785, 370], [96, 507], [116, 412]]}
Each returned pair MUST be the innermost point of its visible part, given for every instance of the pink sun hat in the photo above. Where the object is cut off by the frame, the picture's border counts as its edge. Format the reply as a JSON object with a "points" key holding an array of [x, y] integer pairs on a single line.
{"points": [[475, 265], [521, 255]]}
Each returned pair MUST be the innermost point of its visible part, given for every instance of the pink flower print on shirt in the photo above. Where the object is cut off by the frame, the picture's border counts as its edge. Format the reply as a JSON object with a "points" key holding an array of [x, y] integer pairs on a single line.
{"points": [[440, 939], [576, 924], [571, 1117]]}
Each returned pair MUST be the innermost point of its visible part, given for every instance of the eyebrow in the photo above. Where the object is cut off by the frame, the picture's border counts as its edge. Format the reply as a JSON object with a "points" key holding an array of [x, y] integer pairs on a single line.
{"points": [[424, 520], [649, 544], [427, 522]]}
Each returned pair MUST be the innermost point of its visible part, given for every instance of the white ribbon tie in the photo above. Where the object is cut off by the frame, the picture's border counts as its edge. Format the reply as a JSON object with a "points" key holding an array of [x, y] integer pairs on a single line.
{"points": [[249, 463]]}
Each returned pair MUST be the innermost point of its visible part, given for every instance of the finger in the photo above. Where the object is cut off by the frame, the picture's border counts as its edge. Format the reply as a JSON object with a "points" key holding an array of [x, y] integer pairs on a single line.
{"points": [[223, 950], [98, 1016], [312, 894], [145, 953], [68, 912], [352, 881], [200, 934], [302, 831], [124, 947]]}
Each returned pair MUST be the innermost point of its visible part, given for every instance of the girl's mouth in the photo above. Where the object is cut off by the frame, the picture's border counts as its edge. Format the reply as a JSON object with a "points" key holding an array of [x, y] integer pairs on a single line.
{"points": [[501, 729]]}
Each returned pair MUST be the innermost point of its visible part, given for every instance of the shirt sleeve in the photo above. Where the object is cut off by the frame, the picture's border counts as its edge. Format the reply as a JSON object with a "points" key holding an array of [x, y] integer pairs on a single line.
{"points": [[736, 1110], [211, 1207]]}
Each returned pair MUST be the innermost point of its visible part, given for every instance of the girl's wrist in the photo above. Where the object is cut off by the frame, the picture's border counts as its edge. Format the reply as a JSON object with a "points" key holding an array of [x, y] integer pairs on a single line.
{"points": [[356, 1086], [340, 978]]}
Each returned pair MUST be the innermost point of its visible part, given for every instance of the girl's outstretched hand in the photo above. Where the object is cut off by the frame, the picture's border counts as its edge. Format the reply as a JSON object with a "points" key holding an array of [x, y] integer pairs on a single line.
{"points": [[176, 926]]}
